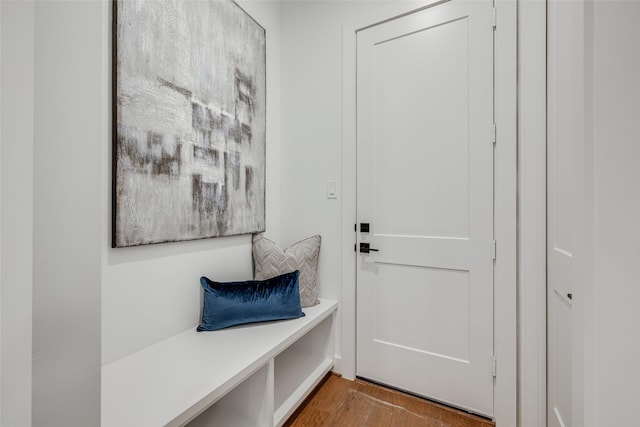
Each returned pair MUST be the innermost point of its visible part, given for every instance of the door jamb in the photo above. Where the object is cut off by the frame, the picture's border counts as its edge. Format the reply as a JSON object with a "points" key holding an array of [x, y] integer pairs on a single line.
{"points": [[532, 211], [505, 273]]}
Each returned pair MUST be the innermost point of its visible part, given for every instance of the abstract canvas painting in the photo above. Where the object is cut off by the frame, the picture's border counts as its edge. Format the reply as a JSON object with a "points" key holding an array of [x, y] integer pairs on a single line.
{"points": [[189, 121]]}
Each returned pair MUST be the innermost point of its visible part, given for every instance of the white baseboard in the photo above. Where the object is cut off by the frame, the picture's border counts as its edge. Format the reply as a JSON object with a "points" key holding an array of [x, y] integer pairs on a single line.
{"points": [[337, 367]]}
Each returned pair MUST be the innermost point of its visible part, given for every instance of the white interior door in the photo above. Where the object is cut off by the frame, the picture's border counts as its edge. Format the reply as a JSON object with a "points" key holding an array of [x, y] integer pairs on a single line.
{"points": [[565, 135], [425, 187]]}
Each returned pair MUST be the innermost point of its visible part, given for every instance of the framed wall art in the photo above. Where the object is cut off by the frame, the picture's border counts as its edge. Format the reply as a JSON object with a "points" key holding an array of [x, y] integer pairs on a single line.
{"points": [[189, 109]]}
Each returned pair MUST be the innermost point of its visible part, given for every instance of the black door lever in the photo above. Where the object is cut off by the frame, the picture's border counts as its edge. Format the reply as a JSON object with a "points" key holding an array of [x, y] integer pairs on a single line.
{"points": [[365, 248]]}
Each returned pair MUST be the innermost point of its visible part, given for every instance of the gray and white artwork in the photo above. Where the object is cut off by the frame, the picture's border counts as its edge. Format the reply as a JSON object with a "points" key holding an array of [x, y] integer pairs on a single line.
{"points": [[190, 113]]}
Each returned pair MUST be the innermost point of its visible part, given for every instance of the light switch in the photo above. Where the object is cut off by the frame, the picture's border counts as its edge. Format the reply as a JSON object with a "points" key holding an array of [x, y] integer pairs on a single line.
{"points": [[332, 189]]}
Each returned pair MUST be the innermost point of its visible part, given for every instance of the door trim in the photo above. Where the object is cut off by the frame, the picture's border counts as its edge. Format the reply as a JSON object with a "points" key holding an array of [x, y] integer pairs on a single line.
{"points": [[505, 273], [532, 229]]}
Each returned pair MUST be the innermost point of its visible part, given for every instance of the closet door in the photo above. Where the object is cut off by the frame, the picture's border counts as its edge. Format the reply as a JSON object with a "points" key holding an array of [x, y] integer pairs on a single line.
{"points": [[565, 139]]}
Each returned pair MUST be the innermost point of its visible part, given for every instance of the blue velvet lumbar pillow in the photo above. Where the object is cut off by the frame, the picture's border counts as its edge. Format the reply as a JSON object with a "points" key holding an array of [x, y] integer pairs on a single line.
{"points": [[236, 303]]}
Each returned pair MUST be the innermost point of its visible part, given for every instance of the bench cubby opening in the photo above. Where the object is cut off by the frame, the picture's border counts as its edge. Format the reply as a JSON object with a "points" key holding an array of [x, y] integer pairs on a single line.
{"points": [[247, 405], [300, 367]]}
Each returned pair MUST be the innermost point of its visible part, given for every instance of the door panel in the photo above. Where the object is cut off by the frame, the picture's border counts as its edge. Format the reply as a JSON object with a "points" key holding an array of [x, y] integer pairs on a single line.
{"points": [[449, 287], [560, 359], [425, 185], [412, 163]]}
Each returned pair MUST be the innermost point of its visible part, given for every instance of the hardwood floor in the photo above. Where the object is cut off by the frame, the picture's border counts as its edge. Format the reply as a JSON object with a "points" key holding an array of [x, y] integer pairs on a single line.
{"points": [[341, 403]]}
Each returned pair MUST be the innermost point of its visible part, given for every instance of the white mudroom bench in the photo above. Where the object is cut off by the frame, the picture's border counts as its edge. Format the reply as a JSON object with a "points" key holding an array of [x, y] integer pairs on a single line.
{"points": [[250, 375]]}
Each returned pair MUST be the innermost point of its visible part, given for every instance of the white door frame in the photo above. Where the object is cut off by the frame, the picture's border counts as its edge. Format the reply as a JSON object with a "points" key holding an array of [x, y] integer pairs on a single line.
{"points": [[532, 210], [505, 332]]}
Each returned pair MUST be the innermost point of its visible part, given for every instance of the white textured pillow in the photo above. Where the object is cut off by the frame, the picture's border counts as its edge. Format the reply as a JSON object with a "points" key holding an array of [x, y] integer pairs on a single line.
{"points": [[270, 261]]}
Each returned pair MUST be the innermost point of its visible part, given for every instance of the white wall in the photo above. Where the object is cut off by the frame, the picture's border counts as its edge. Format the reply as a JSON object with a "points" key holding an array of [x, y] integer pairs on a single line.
{"points": [[152, 292], [16, 209], [312, 134], [616, 112], [68, 139]]}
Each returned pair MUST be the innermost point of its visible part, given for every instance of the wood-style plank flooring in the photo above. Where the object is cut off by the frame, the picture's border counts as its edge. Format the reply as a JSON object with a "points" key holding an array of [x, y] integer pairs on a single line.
{"points": [[341, 403]]}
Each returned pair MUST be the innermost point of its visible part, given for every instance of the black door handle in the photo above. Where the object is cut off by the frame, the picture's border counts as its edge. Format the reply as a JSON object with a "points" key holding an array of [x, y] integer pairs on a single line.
{"points": [[365, 248]]}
